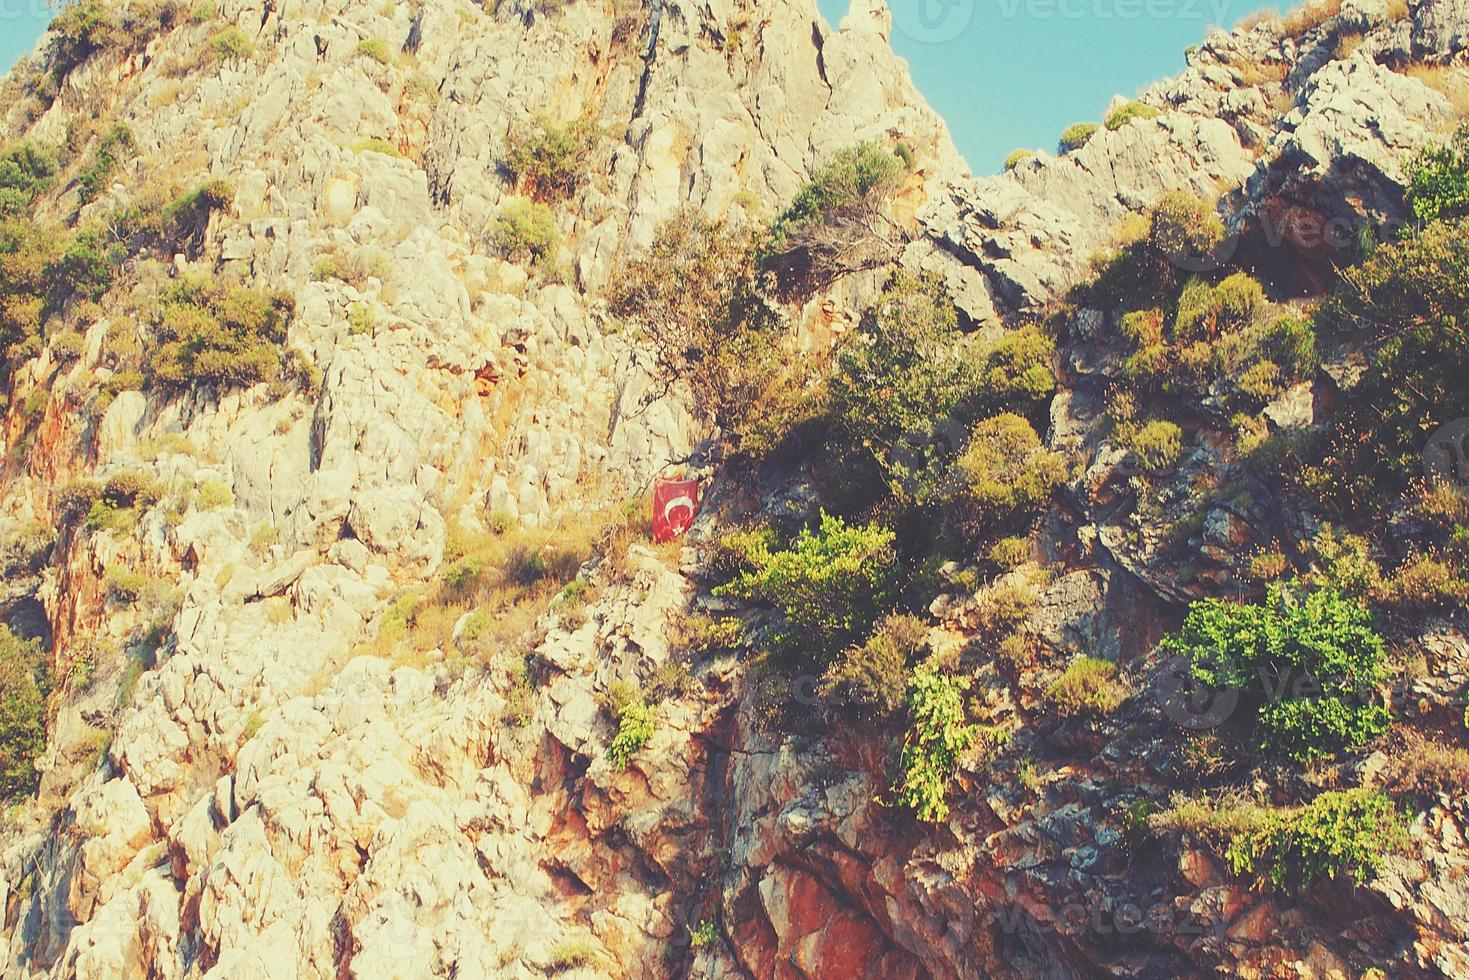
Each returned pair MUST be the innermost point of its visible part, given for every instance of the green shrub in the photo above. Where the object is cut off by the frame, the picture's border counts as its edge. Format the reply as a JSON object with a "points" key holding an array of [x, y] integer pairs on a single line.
{"points": [[1439, 180], [26, 170], [636, 723], [1306, 662], [552, 160], [874, 675], [213, 332], [1015, 371], [1206, 311], [214, 494], [837, 223], [231, 42], [1157, 446], [1289, 342], [1180, 224], [24, 684], [1005, 468], [376, 144], [124, 585], [131, 488], [1077, 136], [1337, 835], [1010, 553], [374, 48], [86, 27], [831, 585], [116, 144], [1017, 158], [1125, 114], [525, 231], [187, 218], [1087, 688], [937, 737]]}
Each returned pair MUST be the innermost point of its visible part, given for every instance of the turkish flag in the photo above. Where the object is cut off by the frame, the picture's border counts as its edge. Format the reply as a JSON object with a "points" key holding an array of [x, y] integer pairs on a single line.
{"points": [[675, 503]]}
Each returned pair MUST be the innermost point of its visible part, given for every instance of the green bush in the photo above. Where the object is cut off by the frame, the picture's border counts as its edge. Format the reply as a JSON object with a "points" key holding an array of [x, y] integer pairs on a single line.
{"points": [[375, 48], [937, 736], [124, 585], [1290, 342], [552, 160], [1087, 688], [231, 42], [1157, 446], [28, 256], [1017, 158], [1206, 311], [837, 223], [116, 145], [131, 488], [24, 684], [1014, 372], [1306, 662], [1439, 180], [874, 675], [831, 585], [1337, 835], [212, 332], [86, 27], [1125, 114], [1178, 231], [1011, 553], [636, 723], [1077, 136], [1006, 469], [214, 494], [1181, 224], [525, 231], [26, 170]]}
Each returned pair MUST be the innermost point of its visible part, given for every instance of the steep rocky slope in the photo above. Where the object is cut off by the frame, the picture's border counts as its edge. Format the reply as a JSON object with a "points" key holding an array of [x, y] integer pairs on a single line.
{"points": [[255, 768]]}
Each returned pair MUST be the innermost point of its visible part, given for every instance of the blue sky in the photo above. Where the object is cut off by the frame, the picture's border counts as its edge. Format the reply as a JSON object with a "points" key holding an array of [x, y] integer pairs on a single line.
{"points": [[1013, 73], [1004, 73]]}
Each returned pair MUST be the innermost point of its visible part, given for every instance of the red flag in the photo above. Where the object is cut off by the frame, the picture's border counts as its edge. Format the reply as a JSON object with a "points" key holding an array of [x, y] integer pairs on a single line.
{"points": [[675, 503]]}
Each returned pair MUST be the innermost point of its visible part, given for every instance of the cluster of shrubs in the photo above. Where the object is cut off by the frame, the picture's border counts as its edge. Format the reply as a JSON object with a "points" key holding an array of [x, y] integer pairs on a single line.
{"points": [[1340, 835], [209, 331]]}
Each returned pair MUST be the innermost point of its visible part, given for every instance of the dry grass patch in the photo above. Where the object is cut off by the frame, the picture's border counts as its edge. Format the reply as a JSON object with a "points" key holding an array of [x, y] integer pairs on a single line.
{"points": [[1450, 82]]}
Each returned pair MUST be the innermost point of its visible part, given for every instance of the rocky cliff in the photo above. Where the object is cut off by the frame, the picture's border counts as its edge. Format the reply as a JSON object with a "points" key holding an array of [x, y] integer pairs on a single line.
{"points": [[273, 748]]}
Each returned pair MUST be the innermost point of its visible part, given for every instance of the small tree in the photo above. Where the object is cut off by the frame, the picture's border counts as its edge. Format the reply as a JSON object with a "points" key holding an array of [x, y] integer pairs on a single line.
{"points": [[694, 297], [1006, 468], [901, 375], [840, 223]]}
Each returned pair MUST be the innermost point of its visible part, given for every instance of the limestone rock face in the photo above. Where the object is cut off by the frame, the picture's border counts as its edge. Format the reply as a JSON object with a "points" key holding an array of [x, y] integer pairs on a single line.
{"points": [[274, 790]]}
